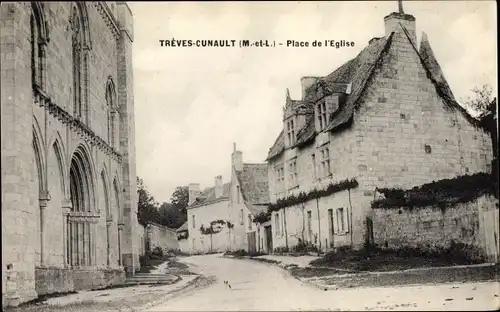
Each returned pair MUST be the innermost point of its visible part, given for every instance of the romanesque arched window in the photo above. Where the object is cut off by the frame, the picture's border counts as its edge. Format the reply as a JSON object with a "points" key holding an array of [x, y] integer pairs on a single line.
{"points": [[38, 40], [77, 55], [80, 45], [113, 115]]}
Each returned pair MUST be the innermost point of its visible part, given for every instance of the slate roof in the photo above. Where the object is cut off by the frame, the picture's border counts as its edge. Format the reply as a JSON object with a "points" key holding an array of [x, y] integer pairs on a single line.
{"points": [[208, 195], [352, 78], [278, 147], [254, 183]]}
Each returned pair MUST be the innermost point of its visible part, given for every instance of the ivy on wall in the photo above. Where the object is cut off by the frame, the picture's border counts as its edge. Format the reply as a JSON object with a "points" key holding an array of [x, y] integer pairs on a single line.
{"points": [[303, 197], [441, 193], [215, 227], [262, 217]]}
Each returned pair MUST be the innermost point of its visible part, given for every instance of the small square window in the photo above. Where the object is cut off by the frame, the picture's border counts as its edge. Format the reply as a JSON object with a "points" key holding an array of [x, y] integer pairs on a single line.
{"points": [[428, 149]]}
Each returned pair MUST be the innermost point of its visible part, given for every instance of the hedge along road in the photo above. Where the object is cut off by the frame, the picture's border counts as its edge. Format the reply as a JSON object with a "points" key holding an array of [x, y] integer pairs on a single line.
{"points": [[260, 286]]}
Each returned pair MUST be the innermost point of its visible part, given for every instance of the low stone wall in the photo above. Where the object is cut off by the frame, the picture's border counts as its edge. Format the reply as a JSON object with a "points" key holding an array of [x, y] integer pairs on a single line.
{"points": [[161, 236], [53, 280], [59, 280], [433, 228]]}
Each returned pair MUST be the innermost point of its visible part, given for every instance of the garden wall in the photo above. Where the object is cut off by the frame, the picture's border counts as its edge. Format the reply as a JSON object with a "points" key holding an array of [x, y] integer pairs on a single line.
{"points": [[475, 224]]}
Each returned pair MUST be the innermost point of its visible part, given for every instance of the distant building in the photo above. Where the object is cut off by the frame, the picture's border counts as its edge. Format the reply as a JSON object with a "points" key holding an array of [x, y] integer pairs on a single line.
{"points": [[249, 197], [203, 208], [228, 209], [386, 118]]}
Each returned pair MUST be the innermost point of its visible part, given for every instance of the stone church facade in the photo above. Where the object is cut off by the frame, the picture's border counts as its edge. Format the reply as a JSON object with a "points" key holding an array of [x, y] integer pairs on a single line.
{"points": [[69, 199]]}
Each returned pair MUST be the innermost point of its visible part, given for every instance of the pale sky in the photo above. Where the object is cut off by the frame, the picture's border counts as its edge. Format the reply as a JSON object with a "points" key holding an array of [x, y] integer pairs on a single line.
{"points": [[191, 104]]}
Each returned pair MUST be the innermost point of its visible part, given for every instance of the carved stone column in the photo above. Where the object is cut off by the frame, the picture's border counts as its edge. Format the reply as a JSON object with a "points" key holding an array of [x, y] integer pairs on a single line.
{"points": [[43, 202], [66, 208], [109, 222], [120, 231]]}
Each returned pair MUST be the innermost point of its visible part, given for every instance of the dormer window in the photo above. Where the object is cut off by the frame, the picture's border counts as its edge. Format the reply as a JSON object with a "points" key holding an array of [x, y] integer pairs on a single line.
{"points": [[326, 108], [290, 129], [322, 115]]}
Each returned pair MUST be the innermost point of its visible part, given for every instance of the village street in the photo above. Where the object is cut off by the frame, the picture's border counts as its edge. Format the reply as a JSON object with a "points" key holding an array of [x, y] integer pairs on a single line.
{"points": [[261, 286]]}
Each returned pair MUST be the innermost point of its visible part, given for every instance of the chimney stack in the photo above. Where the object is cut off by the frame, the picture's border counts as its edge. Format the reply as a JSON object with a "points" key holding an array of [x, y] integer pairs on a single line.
{"points": [[306, 82], [194, 191], [396, 20], [237, 159], [218, 186]]}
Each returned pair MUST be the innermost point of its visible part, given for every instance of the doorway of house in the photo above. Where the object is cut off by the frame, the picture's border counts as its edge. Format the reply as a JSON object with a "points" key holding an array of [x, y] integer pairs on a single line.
{"points": [[370, 242], [252, 243], [269, 238]]}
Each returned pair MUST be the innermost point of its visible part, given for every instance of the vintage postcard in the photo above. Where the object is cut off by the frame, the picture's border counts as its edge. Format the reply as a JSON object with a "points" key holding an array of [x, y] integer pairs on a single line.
{"points": [[249, 156]]}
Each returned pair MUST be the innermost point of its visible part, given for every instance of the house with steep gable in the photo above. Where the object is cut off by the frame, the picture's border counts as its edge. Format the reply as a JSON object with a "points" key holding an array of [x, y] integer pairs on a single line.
{"points": [[221, 218], [250, 197], [385, 119], [207, 216]]}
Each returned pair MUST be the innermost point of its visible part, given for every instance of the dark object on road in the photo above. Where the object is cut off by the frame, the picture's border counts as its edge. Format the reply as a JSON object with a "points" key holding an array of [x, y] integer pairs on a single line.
{"points": [[449, 299], [469, 298]]}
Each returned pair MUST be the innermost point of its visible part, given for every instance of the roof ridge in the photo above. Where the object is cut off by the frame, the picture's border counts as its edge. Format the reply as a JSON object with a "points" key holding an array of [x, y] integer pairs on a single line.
{"points": [[443, 87]]}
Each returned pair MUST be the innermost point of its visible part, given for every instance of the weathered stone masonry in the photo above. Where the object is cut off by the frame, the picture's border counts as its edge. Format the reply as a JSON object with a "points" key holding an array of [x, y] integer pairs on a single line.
{"points": [[68, 151], [386, 118]]}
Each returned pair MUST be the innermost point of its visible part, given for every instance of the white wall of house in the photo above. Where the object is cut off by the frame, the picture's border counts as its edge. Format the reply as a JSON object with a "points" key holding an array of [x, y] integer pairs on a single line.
{"points": [[203, 215], [238, 215], [184, 246]]}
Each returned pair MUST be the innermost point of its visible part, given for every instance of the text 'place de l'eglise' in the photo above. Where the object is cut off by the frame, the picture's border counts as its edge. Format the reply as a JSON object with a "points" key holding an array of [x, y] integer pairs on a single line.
{"points": [[376, 153]]}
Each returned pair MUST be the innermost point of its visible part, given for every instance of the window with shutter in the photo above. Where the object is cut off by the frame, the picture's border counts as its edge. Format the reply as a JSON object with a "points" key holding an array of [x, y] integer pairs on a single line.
{"points": [[324, 161], [291, 131], [292, 173], [280, 177]]}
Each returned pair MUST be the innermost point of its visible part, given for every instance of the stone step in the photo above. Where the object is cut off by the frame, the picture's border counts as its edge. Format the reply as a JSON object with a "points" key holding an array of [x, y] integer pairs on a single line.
{"points": [[152, 279], [148, 283], [150, 274]]}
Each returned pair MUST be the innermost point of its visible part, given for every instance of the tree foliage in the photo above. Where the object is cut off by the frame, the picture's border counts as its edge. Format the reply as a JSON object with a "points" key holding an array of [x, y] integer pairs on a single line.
{"points": [[485, 105], [147, 206], [171, 215], [481, 100], [180, 198]]}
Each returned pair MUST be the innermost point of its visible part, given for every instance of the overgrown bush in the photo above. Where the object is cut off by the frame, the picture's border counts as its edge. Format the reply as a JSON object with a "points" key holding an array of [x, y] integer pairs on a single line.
{"points": [[304, 247], [144, 260], [256, 253], [237, 253], [366, 258], [281, 250], [444, 192], [157, 253]]}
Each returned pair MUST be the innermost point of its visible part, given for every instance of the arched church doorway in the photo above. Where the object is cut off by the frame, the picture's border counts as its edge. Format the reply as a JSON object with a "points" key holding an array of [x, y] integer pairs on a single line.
{"points": [[80, 223]]}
